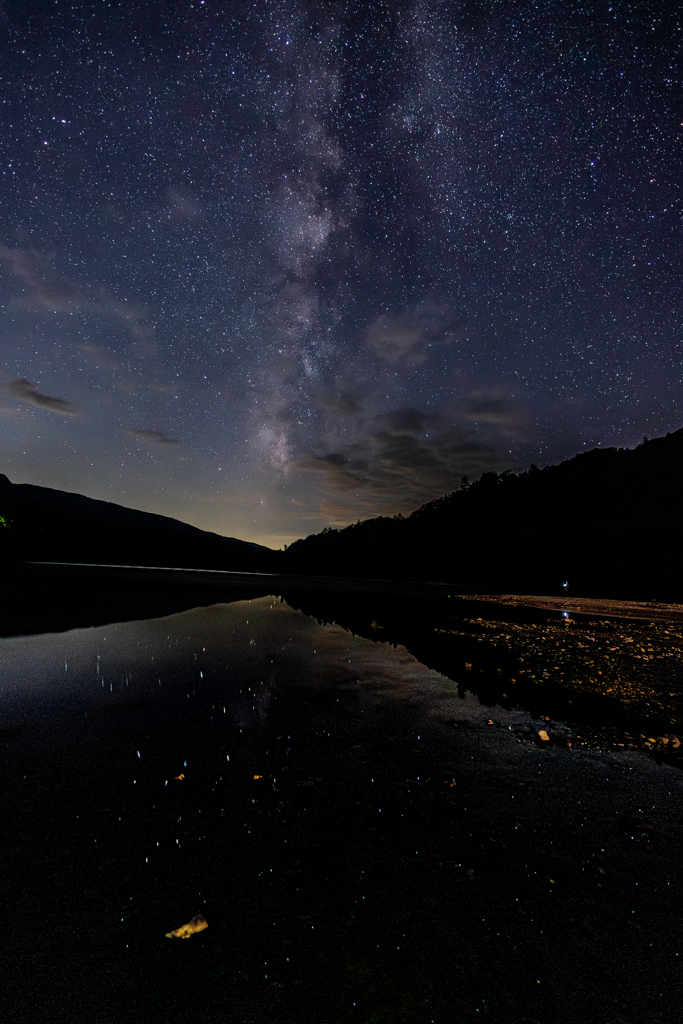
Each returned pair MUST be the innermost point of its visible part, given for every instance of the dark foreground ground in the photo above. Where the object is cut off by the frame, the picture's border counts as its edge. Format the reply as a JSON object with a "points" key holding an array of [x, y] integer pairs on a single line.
{"points": [[369, 840]]}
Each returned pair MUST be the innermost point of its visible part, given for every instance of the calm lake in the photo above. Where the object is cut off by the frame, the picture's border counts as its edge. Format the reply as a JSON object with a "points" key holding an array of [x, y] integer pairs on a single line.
{"points": [[368, 839]]}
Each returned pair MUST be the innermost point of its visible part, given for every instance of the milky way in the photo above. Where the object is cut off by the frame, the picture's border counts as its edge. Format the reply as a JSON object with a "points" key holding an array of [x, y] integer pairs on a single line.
{"points": [[270, 266]]}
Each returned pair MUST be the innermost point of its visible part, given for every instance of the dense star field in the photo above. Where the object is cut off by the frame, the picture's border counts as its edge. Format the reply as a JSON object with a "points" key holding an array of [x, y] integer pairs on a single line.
{"points": [[271, 266]]}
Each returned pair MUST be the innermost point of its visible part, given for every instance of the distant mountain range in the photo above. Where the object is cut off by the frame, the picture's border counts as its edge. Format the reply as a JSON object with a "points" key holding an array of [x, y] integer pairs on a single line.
{"points": [[42, 524], [606, 523]]}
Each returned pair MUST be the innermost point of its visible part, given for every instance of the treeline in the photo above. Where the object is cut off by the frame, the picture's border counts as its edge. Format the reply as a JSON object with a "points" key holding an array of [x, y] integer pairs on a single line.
{"points": [[607, 522]]}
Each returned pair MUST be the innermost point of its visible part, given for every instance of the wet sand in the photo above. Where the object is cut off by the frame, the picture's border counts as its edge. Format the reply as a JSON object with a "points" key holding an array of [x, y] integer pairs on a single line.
{"points": [[648, 611]]}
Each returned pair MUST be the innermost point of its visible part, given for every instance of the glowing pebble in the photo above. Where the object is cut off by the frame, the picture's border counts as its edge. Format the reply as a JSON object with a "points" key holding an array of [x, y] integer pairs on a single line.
{"points": [[197, 924]]}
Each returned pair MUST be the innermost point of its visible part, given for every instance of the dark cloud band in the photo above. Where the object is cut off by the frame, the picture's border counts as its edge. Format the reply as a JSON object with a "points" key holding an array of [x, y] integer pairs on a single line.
{"points": [[25, 391]]}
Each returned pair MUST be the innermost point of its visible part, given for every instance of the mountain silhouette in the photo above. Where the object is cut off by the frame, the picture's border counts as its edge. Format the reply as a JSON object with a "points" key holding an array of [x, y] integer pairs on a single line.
{"points": [[42, 524], [606, 523]]}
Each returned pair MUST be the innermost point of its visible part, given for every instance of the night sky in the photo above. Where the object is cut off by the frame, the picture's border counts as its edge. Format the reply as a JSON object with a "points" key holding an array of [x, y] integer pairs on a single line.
{"points": [[267, 267]]}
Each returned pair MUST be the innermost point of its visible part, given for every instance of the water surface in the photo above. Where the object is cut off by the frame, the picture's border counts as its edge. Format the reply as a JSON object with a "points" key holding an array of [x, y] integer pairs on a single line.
{"points": [[366, 839]]}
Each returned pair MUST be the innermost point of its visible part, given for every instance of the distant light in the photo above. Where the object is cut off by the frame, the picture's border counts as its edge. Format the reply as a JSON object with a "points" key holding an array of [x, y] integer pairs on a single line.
{"points": [[565, 585]]}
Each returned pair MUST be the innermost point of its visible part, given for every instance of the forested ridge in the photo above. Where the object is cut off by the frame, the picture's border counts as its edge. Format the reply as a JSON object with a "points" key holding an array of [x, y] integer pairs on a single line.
{"points": [[607, 522]]}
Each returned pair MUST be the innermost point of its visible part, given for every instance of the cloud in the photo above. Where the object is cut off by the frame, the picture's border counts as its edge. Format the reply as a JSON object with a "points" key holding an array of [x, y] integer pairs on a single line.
{"points": [[152, 437], [44, 288], [403, 421], [405, 458], [23, 390], [338, 513], [182, 208], [100, 357], [131, 314], [407, 337], [496, 408], [392, 338], [341, 403], [47, 288]]}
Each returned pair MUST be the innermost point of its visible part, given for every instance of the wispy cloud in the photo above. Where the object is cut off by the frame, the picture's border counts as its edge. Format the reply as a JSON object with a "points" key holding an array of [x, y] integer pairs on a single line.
{"points": [[43, 285], [25, 391], [394, 338], [406, 338], [101, 357], [152, 437], [182, 207], [341, 403], [45, 288], [499, 409], [403, 459]]}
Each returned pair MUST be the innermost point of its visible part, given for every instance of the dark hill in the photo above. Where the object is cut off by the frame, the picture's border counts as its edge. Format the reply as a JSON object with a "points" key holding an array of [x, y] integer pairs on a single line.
{"points": [[42, 524], [609, 521]]}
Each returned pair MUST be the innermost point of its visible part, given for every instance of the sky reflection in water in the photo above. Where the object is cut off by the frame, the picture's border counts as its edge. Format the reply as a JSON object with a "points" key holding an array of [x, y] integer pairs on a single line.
{"points": [[353, 831]]}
